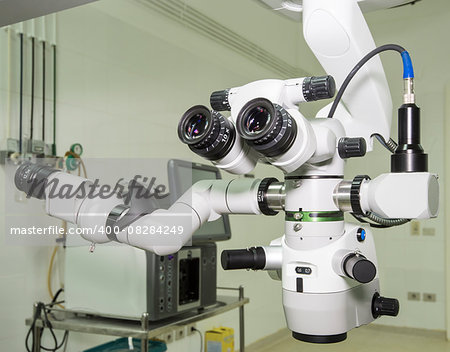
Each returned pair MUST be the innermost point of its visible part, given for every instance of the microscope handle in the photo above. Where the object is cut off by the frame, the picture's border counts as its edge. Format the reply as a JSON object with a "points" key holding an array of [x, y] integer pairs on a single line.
{"points": [[251, 258], [359, 268]]}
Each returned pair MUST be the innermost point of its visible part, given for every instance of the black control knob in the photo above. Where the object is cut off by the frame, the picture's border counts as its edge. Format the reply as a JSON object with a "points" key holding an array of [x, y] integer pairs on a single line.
{"points": [[219, 100], [359, 268], [384, 306], [316, 88], [250, 258], [351, 147]]}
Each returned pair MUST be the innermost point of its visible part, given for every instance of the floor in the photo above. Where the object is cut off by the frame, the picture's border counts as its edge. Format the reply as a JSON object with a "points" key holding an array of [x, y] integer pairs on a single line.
{"points": [[365, 339]]}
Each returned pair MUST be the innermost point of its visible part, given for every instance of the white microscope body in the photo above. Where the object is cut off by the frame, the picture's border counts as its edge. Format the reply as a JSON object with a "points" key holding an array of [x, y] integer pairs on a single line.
{"points": [[327, 268]]}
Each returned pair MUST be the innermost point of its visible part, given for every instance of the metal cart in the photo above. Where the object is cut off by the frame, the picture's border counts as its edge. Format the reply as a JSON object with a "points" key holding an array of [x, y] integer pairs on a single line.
{"points": [[141, 328]]}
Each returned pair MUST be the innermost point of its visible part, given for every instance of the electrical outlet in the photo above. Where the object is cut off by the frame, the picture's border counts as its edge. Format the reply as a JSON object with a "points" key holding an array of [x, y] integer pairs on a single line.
{"points": [[12, 145], [168, 337], [413, 296], [190, 329], [415, 228], [4, 155], [429, 297], [179, 333], [428, 231], [37, 147]]}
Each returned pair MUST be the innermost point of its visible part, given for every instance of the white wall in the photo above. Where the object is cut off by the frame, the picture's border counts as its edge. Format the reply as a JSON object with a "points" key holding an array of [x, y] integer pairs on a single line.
{"points": [[125, 76]]}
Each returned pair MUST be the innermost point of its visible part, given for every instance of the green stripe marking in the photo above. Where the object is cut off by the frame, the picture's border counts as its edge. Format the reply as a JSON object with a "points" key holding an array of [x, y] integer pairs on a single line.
{"points": [[314, 216]]}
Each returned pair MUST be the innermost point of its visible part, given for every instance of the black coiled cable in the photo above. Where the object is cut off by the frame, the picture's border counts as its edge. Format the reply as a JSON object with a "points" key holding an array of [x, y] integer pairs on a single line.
{"points": [[357, 67]]}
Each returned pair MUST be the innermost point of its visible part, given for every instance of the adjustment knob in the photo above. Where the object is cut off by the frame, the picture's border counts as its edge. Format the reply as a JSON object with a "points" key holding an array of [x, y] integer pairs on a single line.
{"points": [[219, 100], [384, 306], [351, 147], [359, 268], [316, 88]]}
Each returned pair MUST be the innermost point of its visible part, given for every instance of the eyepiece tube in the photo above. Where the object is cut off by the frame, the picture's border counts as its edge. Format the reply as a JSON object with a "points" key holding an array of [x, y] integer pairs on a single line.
{"points": [[207, 133], [267, 127], [213, 136], [32, 179]]}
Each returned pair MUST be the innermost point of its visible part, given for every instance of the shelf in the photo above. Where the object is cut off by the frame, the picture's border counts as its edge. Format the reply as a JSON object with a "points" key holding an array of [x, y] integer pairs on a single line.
{"points": [[103, 324], [138, 327]]}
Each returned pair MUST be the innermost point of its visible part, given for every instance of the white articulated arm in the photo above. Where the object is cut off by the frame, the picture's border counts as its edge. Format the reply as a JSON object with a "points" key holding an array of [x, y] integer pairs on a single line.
{"points": [[77, 200], [339, 37], [206, 201]]}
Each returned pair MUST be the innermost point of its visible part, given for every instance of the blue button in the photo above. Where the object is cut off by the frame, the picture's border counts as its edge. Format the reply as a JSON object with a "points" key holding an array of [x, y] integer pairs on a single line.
{"points": [[361, 235]]}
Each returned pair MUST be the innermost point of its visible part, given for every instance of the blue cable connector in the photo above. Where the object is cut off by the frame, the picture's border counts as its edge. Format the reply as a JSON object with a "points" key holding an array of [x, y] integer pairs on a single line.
{"points": [[408, 71]]}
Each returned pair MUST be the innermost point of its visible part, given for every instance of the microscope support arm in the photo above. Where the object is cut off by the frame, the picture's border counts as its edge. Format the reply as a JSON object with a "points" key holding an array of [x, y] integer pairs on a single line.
{"points": [[161, 231], [206, 201], [338, 35]]}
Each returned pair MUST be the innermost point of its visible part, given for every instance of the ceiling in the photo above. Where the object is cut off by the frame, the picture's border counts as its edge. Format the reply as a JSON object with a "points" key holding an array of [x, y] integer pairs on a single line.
{"points": [[14, 11], [293, 8]]}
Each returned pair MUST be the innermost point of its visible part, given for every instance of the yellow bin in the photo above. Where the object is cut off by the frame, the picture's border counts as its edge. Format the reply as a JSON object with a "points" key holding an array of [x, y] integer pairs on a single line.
{"points": [[219, 340]]}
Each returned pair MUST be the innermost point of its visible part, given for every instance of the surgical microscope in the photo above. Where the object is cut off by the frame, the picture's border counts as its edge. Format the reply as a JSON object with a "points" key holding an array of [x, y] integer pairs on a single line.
{"points": [[327, 267]]}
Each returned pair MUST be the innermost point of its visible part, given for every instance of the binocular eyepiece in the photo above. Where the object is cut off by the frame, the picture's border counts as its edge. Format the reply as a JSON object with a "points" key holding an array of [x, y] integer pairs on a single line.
{"points": [[260, 125], [266, 127]]}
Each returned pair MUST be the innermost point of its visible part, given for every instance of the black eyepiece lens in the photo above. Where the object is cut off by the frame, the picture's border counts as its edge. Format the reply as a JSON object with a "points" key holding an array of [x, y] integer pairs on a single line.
{"points": [[207, 133], [257, 119], [196, 126], [266, 127]]}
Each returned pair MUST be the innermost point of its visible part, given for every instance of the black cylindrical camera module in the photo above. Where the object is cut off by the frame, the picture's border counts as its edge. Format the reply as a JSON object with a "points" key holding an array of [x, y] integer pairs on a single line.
{"points": [[409, 155], [207, 133], [267, 127]]}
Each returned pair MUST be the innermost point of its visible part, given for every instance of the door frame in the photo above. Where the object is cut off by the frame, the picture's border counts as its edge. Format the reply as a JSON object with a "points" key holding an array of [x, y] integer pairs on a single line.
{"points": [[446, 203]]}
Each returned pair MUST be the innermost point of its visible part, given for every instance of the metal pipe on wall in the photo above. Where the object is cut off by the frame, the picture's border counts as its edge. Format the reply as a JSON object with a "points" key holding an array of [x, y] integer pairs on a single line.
{"points": [[43, 90], [54, 101], [32, 86], [21, 95]]}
